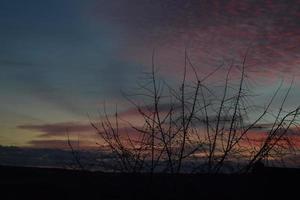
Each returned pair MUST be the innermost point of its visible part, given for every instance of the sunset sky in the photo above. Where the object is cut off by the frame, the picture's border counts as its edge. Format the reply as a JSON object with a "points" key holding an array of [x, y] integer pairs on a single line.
{"points": [[61, 59]]}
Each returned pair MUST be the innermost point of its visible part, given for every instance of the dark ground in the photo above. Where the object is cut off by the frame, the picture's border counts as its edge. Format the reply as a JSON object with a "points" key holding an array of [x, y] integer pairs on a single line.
{"points": [[41, 183]]}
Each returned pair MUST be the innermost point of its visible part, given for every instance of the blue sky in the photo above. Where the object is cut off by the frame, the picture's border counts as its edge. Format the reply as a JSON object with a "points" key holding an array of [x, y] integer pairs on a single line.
{"points": [[61, 59], [56, 63]]}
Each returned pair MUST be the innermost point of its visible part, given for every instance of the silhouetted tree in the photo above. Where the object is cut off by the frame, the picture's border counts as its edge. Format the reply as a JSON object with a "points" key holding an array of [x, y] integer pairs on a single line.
{"points": [[194, 125]]}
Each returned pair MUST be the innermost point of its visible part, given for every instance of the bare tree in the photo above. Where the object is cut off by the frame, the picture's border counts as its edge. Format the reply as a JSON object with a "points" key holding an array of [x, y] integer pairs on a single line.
{"points": [[194, 126]]}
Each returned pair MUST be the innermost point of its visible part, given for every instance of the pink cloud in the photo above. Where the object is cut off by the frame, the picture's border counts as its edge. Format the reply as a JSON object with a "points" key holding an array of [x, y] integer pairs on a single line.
{"points": [[213, 32]]}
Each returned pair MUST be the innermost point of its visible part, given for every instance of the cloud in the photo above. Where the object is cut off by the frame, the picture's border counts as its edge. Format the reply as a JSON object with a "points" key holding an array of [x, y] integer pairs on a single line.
{"points": [[212, 31], [82, 131], [51, 144], [59, 129], [55, 135], [80, 144], [162, 108], [83, 135]]}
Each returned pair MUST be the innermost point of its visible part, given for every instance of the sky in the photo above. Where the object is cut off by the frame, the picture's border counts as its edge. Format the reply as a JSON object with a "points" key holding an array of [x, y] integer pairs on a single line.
{"points": [[61, 59]]}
